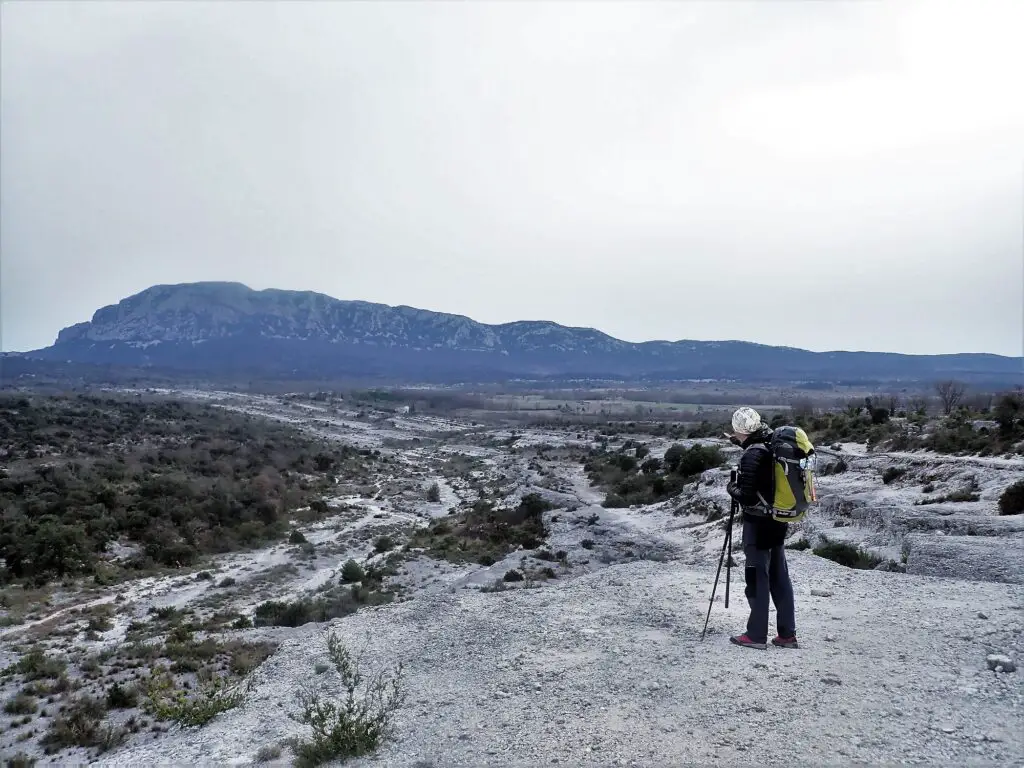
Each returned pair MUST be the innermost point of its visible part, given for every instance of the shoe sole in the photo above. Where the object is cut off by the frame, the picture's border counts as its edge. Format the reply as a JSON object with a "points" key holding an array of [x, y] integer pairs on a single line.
{"points": [[785, 645], [759, 646]]}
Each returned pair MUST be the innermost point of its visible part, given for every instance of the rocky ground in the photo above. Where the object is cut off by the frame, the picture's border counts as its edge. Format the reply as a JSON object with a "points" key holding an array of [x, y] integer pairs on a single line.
{"points": [[604, 663]]}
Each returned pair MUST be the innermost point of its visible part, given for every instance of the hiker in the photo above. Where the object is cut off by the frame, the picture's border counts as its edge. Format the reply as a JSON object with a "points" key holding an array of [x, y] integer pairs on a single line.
{"points": [[765, 572]]}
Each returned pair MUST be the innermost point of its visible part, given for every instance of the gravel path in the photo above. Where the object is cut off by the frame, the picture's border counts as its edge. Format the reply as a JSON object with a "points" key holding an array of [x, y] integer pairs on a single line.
{"points": [[609, 669]]}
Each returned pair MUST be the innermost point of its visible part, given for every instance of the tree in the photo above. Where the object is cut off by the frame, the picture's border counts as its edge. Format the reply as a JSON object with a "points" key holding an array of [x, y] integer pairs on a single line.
{"points": [[891, 402], [1008, 410], [950, 392]]}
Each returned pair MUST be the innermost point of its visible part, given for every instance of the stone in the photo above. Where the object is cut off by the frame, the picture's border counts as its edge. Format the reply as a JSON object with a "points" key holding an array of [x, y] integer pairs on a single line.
{"points": [[1000, 663]]}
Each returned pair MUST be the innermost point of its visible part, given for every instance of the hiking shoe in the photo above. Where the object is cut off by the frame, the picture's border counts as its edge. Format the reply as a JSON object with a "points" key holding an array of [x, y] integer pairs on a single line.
{"points": [[746, 642], [785, 642]]}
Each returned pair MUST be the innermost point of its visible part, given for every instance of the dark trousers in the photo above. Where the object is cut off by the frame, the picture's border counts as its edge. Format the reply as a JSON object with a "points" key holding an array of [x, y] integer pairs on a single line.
{"points": [[767, 576]]}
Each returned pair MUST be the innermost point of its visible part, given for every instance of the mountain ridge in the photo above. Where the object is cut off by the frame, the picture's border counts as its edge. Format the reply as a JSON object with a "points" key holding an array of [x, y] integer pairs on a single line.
{"points": [[210, 326]]}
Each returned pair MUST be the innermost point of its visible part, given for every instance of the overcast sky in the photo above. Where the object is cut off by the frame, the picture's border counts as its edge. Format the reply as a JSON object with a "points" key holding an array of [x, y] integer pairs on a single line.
{"points": [[826, 175]]}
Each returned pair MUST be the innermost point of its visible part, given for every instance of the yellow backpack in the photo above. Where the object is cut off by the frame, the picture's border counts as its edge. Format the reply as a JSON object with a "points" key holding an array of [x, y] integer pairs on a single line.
{"points": [[793, 480]]}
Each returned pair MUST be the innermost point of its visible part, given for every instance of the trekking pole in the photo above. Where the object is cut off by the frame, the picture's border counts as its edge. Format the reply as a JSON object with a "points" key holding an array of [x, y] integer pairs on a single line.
{"points": [[728, 537], [727, 543]]}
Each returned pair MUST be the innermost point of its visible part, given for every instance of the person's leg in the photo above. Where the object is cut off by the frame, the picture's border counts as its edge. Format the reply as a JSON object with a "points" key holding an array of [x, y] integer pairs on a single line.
{"points": [[781, 588], [755, 574]]}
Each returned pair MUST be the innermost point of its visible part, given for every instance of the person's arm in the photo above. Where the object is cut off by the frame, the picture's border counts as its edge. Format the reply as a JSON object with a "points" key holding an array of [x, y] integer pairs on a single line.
{"points": [[750, 476]]}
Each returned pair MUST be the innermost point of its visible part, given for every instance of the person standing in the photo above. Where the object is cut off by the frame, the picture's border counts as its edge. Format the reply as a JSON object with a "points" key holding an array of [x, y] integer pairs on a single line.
{"points": [[765, 573]]}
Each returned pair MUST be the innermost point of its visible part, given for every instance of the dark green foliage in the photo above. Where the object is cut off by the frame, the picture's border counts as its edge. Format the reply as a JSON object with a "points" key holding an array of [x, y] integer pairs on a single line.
{"points": [[352, 572], [384, 544], [800, 545], [330, 605], [890, 474], [1012, 500], [175, 479], [434, 493], [651, 466], [296, 537], [656, 481], [122, 697], [35, 665], [847, 554], [512, 576], [485, 531]]}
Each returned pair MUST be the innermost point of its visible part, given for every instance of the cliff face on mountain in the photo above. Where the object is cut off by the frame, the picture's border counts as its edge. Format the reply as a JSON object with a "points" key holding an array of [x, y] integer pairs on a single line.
{"points": [[218, 327]]}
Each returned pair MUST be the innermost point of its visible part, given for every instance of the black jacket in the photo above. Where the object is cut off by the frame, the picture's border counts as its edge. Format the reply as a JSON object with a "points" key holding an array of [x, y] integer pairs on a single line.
{"points": [[755, 479]]}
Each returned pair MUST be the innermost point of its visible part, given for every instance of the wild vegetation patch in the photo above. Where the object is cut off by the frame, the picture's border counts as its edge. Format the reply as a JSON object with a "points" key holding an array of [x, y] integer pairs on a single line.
{"points": [[168, 480], [630, 476], [486, 532]]}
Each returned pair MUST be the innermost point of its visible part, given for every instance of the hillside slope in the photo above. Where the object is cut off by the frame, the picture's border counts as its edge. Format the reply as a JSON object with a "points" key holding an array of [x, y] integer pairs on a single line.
{"points": [[609, 669], [221, 327]]}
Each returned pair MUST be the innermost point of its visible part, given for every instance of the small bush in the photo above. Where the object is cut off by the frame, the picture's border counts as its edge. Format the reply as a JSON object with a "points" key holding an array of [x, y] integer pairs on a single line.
{"points": [[840, 467], [122, 697], [847, 554], [81, 725], [297, 537], [512, 576], [35, 665], [587, 543], [799, 546], [434, 493], [167, 701], [1011, 502], [268, 753], [227, 582], [352, 572], [893, 473], [21, 704], [383, 544], [354, 726]]}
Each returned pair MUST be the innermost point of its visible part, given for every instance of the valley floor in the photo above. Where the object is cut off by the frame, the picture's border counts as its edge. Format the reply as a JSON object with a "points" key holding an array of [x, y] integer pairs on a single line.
{"points": [[604, 664]]}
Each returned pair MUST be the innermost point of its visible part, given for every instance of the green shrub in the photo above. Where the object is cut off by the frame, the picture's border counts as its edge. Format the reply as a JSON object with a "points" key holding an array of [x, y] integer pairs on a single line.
{"points": [[434, 493], [166, 700], [35, 665], [121, 697], [383, 544], [357, 724], [893, 473], [331, 605], [1011, 502], [80, 724], [21, 704], [352, 572], [847, 554], [183, 480]]}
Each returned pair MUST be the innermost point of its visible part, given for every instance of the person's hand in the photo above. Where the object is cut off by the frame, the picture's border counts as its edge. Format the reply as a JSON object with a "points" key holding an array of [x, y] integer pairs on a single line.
{"points": [[732, 489]]}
